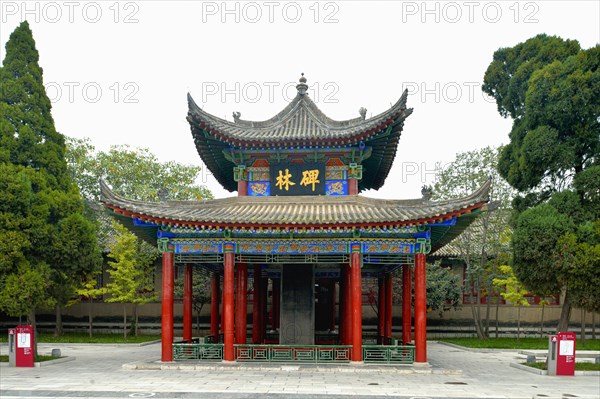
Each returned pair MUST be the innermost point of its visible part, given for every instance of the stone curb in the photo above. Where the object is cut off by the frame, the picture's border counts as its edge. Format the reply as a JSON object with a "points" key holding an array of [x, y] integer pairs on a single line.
{"points": [[80, 344], [533, 370], [394, 369], [47, 363], [478, 350]]}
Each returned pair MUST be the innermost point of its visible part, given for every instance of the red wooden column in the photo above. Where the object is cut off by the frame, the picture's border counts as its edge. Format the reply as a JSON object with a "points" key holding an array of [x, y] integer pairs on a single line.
{"points": [[214, 305], [406, 304], [228, 303], [388, 308], [352, 186], [381, 302], [256, 306], [420, 310], [241, 308], [187, 303], [222, 329], [347, 307], [242, 188], [356, 290], [167, 307], [241, 175]]}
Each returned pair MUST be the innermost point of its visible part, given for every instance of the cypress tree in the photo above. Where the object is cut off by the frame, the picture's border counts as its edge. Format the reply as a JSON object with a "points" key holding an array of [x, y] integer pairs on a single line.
{"points": [[47, 246]]}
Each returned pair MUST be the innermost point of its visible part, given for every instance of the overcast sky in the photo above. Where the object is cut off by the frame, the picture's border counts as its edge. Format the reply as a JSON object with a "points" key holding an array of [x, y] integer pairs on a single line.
{"points": [[118, 72]]}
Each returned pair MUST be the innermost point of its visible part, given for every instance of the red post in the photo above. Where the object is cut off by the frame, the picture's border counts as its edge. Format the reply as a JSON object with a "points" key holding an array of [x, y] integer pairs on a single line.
{"points": [[222, 329], [214, 305], [242, 188], [228, 293], [347, 307], [381, 302], [167, 307], [241, 308], [187, 303], [420, 310], [388, 307], [352, 186], [355, 281], [256, 307], [406, 304]]}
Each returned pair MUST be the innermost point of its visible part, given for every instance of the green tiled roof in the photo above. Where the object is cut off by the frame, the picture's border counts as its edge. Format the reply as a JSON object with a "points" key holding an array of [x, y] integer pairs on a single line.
{"points": [[300, 124], [353, 210]]}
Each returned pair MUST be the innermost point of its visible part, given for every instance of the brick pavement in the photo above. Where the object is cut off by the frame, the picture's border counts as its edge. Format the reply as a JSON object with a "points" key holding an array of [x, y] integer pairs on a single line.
{"points": [[99, 371]]}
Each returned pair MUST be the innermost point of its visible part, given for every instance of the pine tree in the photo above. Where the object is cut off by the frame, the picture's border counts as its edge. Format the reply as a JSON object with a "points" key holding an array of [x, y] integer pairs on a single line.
{"points": [[43, 233]]}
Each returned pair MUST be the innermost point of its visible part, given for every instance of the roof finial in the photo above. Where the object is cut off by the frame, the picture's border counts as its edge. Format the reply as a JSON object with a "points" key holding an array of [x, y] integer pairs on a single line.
{"points": [[363, 112], [302, 86]]}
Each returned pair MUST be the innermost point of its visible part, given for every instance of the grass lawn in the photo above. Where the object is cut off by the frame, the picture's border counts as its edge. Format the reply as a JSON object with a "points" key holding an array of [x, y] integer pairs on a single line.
{"points": [[38, 358], [578, 366], [84, 338], [513, 343]]}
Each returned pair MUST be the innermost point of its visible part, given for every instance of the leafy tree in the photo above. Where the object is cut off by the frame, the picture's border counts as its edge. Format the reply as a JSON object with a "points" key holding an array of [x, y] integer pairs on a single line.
{"points": [[201, 292], [483, 240], [134, 173], [442, 286], [550, 87], [443, 289], [91, 291], [514, 291], [45, 238], [130, 271], [578, 255]]}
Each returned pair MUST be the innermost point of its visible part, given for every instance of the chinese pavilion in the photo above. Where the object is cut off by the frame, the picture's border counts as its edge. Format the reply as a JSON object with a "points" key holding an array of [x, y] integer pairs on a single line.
{"points": [[298, 225]]}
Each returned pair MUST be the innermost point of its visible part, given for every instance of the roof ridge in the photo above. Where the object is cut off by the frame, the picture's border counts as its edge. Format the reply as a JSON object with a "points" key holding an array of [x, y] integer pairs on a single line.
{"points": [[481, 195], [288, 113]]}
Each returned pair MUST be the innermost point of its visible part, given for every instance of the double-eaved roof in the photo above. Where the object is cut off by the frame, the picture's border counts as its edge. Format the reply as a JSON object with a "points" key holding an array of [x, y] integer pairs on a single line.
{"points": [[300, 124]]}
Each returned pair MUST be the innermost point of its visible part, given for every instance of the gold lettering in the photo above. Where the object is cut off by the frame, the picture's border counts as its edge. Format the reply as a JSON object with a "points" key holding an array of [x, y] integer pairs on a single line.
{"points": [[283, 181]]}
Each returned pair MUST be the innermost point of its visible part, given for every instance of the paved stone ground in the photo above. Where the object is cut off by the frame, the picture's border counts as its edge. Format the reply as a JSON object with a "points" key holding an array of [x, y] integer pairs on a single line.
{"points": [[98, 372]]}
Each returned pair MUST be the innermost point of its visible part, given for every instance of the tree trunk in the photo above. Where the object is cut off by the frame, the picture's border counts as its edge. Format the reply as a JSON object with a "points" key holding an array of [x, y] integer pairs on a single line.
{"points": [[565, 314], [58, 329], [125, 321], [583, 326], [198, 323], [593, 325], [478, 329], [90, 317], [497, 322], [487, 315], [519, 323], [482, 262], [542, 322], [481, 331], [136, 319], [31, 320]]}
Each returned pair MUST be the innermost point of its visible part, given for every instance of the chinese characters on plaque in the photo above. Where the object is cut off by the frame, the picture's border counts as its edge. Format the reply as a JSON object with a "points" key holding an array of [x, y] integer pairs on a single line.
{"points": [[298, 179]]}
